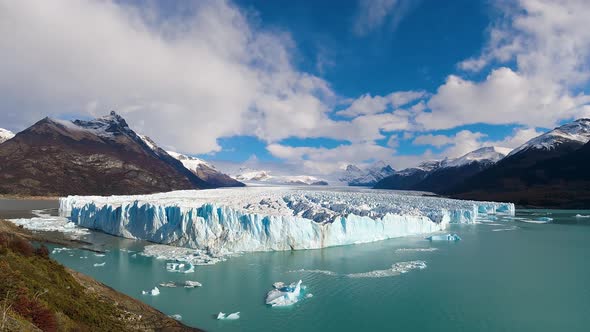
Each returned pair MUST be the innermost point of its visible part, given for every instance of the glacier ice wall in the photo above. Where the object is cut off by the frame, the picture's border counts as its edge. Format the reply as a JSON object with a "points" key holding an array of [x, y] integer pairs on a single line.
{"points": [[263, 219]]}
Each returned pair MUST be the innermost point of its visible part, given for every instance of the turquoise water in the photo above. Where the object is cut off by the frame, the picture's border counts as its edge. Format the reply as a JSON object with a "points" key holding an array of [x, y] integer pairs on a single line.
{"points": [[504, 275]]}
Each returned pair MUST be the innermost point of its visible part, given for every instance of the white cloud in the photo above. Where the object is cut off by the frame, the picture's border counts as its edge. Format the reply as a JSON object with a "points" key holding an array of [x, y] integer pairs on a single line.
{"points": [[367, 104], [550, 44], [376, 13]]}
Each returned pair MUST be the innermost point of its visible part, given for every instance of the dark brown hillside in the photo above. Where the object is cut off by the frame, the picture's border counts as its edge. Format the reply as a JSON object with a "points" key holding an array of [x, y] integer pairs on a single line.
{"points": [[98, 157]]}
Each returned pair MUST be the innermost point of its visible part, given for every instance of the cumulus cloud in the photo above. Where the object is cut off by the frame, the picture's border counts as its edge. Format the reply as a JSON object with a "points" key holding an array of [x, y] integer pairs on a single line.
{"points": [[550, 44]]}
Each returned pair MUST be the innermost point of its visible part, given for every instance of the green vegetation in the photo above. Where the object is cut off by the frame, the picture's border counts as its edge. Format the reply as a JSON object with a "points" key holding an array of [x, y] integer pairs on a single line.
{"points": [[39, 294]]}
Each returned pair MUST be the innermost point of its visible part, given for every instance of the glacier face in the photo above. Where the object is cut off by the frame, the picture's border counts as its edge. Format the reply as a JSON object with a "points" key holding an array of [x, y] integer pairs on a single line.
{"points": [[273, 218]]}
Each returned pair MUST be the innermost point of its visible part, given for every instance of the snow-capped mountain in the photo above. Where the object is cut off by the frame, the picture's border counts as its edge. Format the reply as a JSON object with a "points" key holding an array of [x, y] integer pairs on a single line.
{"points": [[265, 177], [548, 170], [5, 135], [440, 175], [206, 171], [573, 133], [101, 156], [354, 176], [488, 154]]}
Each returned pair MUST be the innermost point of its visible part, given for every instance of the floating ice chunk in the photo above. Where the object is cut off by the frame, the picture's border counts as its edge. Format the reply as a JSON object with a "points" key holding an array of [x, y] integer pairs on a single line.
{"points": [[582, 216], [176, 317], [444, 237], [234, 316], [396, 269], [544, 219], [540, 220], [416, 249], [180, 267], [513, 228], [308, 295], [99, 255], [192, 284], [99, 264], [328, 273], [153, 292], [58, 250], [285, 295], [47, 223], [169, 284], [223, 316], [186, 255], [134, 256]]}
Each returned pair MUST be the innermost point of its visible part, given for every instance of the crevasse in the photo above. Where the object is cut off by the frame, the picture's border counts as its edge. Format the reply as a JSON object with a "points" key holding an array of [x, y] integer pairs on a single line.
{"points": [[242, 220]]}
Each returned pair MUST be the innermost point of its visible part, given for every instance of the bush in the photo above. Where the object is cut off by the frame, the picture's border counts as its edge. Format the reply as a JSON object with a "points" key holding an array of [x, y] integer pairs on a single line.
{"points": [[21, 246], [42, 251]]}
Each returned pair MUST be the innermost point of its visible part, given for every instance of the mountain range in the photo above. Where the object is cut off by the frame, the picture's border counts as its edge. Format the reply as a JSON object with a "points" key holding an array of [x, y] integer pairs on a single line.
{"points": [[266, 177], [96, 157], [369, 176], [548, 170]]}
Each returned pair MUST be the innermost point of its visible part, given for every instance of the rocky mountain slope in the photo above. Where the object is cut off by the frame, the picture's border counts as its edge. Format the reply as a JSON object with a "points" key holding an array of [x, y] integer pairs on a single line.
{"points": [[355, 176], [97, 157], [206, 171]]}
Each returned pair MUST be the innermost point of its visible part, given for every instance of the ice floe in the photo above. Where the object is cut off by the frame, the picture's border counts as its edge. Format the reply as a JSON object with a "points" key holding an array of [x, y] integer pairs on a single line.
{"points": [[284, 295], [176, 317], [154, 292], [582, 216], [99, 264], [186, 284], [513, 228], [272, 218], [233, 316], [395, 270], [58, 250], [180, 267], [45, 222], [416, 249], [186, 255], [444, 237]]}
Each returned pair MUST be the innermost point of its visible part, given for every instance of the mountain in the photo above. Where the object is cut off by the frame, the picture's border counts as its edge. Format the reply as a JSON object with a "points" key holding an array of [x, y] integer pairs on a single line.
{"points": [[408, 178], [354, 176], [5, 135], [206, 171], [265, 177], [97, 157], [549, 170], [452, 172], [438, 176]]}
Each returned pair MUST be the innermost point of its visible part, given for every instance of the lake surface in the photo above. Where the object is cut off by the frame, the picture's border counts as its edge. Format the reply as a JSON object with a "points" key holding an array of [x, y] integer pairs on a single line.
{"points": [[505, 275]]}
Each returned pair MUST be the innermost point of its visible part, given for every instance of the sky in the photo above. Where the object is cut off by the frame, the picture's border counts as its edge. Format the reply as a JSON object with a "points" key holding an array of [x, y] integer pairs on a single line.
{"points": [[303, 87]]}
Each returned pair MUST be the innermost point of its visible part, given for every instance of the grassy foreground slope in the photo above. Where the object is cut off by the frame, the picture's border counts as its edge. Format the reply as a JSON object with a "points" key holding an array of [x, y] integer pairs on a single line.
{"points": [[39, 294]]}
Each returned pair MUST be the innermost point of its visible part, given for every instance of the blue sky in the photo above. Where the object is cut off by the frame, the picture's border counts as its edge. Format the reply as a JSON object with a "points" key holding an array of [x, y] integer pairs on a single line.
{"points": [[302, 87]]}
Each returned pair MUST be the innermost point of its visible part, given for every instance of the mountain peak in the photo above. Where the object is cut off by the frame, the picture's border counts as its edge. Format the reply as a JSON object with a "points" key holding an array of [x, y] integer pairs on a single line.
{"points": [[576, 132], [5, 135]]}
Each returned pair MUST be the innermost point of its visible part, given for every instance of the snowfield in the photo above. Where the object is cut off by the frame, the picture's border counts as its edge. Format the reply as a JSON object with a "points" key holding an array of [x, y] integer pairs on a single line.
{"points": [[271, 218]]}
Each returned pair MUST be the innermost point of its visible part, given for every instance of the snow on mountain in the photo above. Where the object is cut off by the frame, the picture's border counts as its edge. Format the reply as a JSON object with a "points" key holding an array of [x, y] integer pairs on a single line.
{"points": [[354, 176], [266, 177], [5, 135], [192, 163], [424, 167], [574, 132], [253, 175], [488, 154], [271, 218]]}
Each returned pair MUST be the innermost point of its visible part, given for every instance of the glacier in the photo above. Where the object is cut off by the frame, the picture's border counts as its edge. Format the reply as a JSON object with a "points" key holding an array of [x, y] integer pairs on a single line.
{"points": [[250, 219]]}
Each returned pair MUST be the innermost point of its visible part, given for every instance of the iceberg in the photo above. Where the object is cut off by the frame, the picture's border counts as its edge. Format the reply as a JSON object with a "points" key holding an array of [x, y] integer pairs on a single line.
{"points": [[176, 317], [223, 316], [283, 295], [99, 264], [582, 216], [444, 237], [221, 221], [180, 267], [186, 284], [45, 222], [153, 292]]}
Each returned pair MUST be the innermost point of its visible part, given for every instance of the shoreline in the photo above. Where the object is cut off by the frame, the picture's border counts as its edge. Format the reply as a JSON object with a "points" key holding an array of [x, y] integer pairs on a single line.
{"points": [[144, 317]]}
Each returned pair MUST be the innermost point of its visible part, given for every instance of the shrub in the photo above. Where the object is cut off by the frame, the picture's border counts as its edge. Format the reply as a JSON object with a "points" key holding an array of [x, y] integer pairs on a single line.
{"points": [[42, 251], [21, 246]]}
